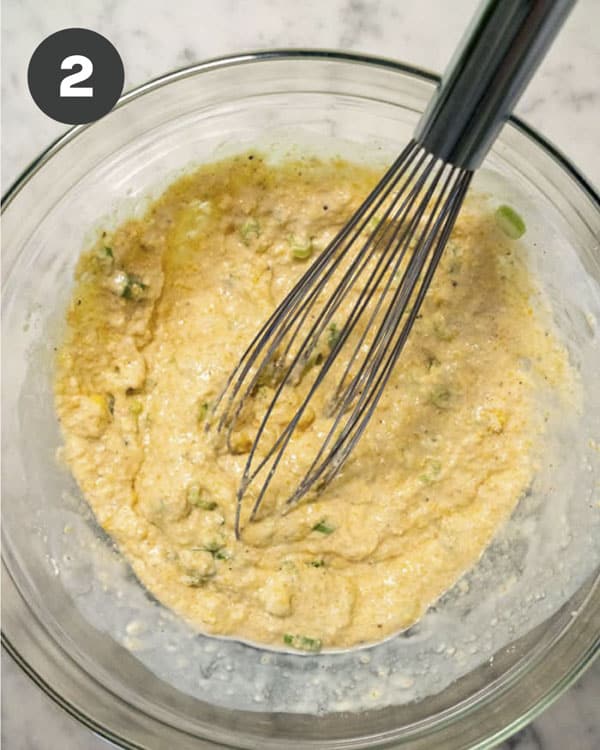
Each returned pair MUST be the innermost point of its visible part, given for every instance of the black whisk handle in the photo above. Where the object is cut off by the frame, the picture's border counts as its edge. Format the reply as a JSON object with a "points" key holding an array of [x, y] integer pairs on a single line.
{"points": [[495, 60]]}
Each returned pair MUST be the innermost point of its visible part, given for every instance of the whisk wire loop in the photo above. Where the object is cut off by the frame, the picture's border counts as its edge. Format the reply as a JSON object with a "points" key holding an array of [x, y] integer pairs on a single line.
{"points": [[368, 275]]}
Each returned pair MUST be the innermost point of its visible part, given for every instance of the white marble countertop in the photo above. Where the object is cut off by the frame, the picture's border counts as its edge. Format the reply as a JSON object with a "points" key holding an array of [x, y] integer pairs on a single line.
{"points": [[154, 36]]}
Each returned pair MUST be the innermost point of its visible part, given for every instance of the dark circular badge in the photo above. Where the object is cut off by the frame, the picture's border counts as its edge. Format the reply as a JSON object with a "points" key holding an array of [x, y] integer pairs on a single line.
{"points": [[75, 76]]}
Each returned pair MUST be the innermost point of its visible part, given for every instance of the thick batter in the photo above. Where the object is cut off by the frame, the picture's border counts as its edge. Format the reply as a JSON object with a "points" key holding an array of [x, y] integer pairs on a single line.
{"points": [[162, 310]]}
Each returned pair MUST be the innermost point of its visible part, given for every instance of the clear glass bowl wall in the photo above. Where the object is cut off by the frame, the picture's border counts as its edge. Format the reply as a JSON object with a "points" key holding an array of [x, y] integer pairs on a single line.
{"points": [[64, 620]]}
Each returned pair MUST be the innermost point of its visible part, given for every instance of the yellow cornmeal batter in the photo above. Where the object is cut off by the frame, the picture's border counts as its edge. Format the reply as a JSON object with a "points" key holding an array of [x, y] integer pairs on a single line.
{"points": [[162, 310]]}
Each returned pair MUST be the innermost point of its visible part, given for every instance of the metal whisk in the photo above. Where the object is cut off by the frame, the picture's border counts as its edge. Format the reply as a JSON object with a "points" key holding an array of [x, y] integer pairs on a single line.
{"points": [[364, 291]]}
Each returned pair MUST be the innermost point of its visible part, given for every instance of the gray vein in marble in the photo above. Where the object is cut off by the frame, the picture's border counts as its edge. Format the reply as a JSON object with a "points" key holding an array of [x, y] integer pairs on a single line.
{"points": [[361, 19]]}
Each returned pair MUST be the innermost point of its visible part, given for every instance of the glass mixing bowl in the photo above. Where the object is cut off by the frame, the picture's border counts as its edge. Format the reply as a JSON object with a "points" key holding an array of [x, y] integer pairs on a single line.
{"points": [[496, 650]]}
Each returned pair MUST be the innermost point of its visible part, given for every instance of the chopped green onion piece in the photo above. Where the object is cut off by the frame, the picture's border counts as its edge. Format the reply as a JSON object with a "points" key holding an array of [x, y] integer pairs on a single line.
{"points": [[203, 410], [194, 581], [271, 374], [432, 472], [133, 288], [510, 222], [301, 250], [110, 402], [442, 332], [105, 258], [195, 496], [216, 549], [206, 504], [323, 528], [136, 408], [432, 361], [249, 228], [333, 336], [317, 563], [441, 397], [302, 642]]}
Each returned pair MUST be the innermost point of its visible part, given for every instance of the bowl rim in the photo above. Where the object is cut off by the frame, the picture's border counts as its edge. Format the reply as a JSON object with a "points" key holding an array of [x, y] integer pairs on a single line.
{"points": [[257, 56], [288, 53]]}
